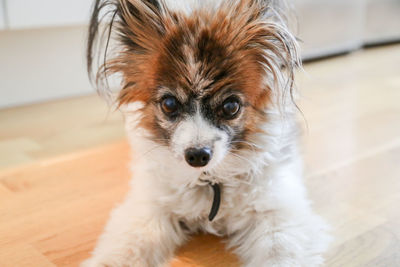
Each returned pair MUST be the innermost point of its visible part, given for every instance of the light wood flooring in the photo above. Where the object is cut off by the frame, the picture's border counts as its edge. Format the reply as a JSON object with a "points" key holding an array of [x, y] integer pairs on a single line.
{"points": [[63, 166]]}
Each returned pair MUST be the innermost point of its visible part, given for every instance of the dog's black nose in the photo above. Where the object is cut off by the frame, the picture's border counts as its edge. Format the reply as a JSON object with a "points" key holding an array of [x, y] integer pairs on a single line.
{"points": [[198, 157]]}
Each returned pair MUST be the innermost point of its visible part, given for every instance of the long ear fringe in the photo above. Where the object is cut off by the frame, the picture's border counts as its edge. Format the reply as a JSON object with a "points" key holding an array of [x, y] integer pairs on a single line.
{"points": [[283, 12], [130, 22], [279, 45], [102, 23]]}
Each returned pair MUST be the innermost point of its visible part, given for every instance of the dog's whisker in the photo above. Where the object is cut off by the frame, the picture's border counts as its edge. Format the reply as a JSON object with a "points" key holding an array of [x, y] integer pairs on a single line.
{"points": [[148, 151], [253, 146], [240, 157]]}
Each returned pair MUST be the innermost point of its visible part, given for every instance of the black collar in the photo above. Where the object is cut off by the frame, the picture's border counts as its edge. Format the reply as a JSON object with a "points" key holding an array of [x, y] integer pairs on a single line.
{"points": [[216, 201]]}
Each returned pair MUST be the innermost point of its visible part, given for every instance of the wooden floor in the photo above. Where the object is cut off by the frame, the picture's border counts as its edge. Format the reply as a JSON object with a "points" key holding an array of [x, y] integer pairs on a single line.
{"points": [[64, 166]]}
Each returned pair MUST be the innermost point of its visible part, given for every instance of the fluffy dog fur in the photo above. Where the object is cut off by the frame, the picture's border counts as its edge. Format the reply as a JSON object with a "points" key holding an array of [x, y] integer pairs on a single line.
{"points": [[203, 53]]}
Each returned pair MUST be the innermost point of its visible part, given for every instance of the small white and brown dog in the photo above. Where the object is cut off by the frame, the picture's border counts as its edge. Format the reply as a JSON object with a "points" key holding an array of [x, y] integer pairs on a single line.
{"points": [[207, 89]]}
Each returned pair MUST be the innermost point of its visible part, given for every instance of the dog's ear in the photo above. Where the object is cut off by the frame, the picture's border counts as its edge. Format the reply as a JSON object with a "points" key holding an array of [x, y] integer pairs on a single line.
{"points": [[268, 36], [134, 24], [141, 24]]}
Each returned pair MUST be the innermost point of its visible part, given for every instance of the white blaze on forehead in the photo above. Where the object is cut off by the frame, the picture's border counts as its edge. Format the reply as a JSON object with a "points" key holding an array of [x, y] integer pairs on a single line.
{"points": [[194, 72]]}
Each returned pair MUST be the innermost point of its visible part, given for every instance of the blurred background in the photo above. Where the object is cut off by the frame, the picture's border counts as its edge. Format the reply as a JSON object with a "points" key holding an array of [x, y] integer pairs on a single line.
{"points": [[42, 41], [64, 155]]}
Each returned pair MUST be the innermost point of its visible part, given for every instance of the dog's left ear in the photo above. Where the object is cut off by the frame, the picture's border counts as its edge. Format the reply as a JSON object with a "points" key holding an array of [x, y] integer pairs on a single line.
{"points": [[273, 39]]}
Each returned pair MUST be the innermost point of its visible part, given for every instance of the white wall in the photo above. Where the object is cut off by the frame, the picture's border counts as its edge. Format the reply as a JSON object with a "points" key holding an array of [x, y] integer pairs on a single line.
{"points": [[328, 27], [23, 14], [382, 21], [42, 44], [42, 64], [2, 15]]}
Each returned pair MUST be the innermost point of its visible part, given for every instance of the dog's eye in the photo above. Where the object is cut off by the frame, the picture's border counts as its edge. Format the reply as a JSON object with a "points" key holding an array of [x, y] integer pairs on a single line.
{"points": [[230, 107], [169, 105]]}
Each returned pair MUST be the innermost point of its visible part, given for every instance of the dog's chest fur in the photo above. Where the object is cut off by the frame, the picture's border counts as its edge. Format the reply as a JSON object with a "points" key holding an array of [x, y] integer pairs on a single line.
{"points": [[192, 207], [241, 197]]}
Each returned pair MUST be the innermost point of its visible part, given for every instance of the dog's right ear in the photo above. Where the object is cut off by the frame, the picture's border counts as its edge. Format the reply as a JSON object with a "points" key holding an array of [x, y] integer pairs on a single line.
{"points": [[135, 24]]}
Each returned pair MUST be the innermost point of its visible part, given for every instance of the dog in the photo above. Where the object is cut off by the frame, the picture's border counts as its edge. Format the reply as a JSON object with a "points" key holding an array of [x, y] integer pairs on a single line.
{"points": [[207, 92]]}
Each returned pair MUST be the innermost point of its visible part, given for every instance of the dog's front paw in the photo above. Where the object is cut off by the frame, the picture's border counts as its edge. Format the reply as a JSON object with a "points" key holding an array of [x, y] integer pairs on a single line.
{"points": [[113, 262], [274, 261], [92, 262], [97, 262]]}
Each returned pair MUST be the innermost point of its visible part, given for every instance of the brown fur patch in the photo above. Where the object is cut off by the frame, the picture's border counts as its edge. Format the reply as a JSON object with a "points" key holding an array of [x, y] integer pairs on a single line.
{"points": [[233, 48]]}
